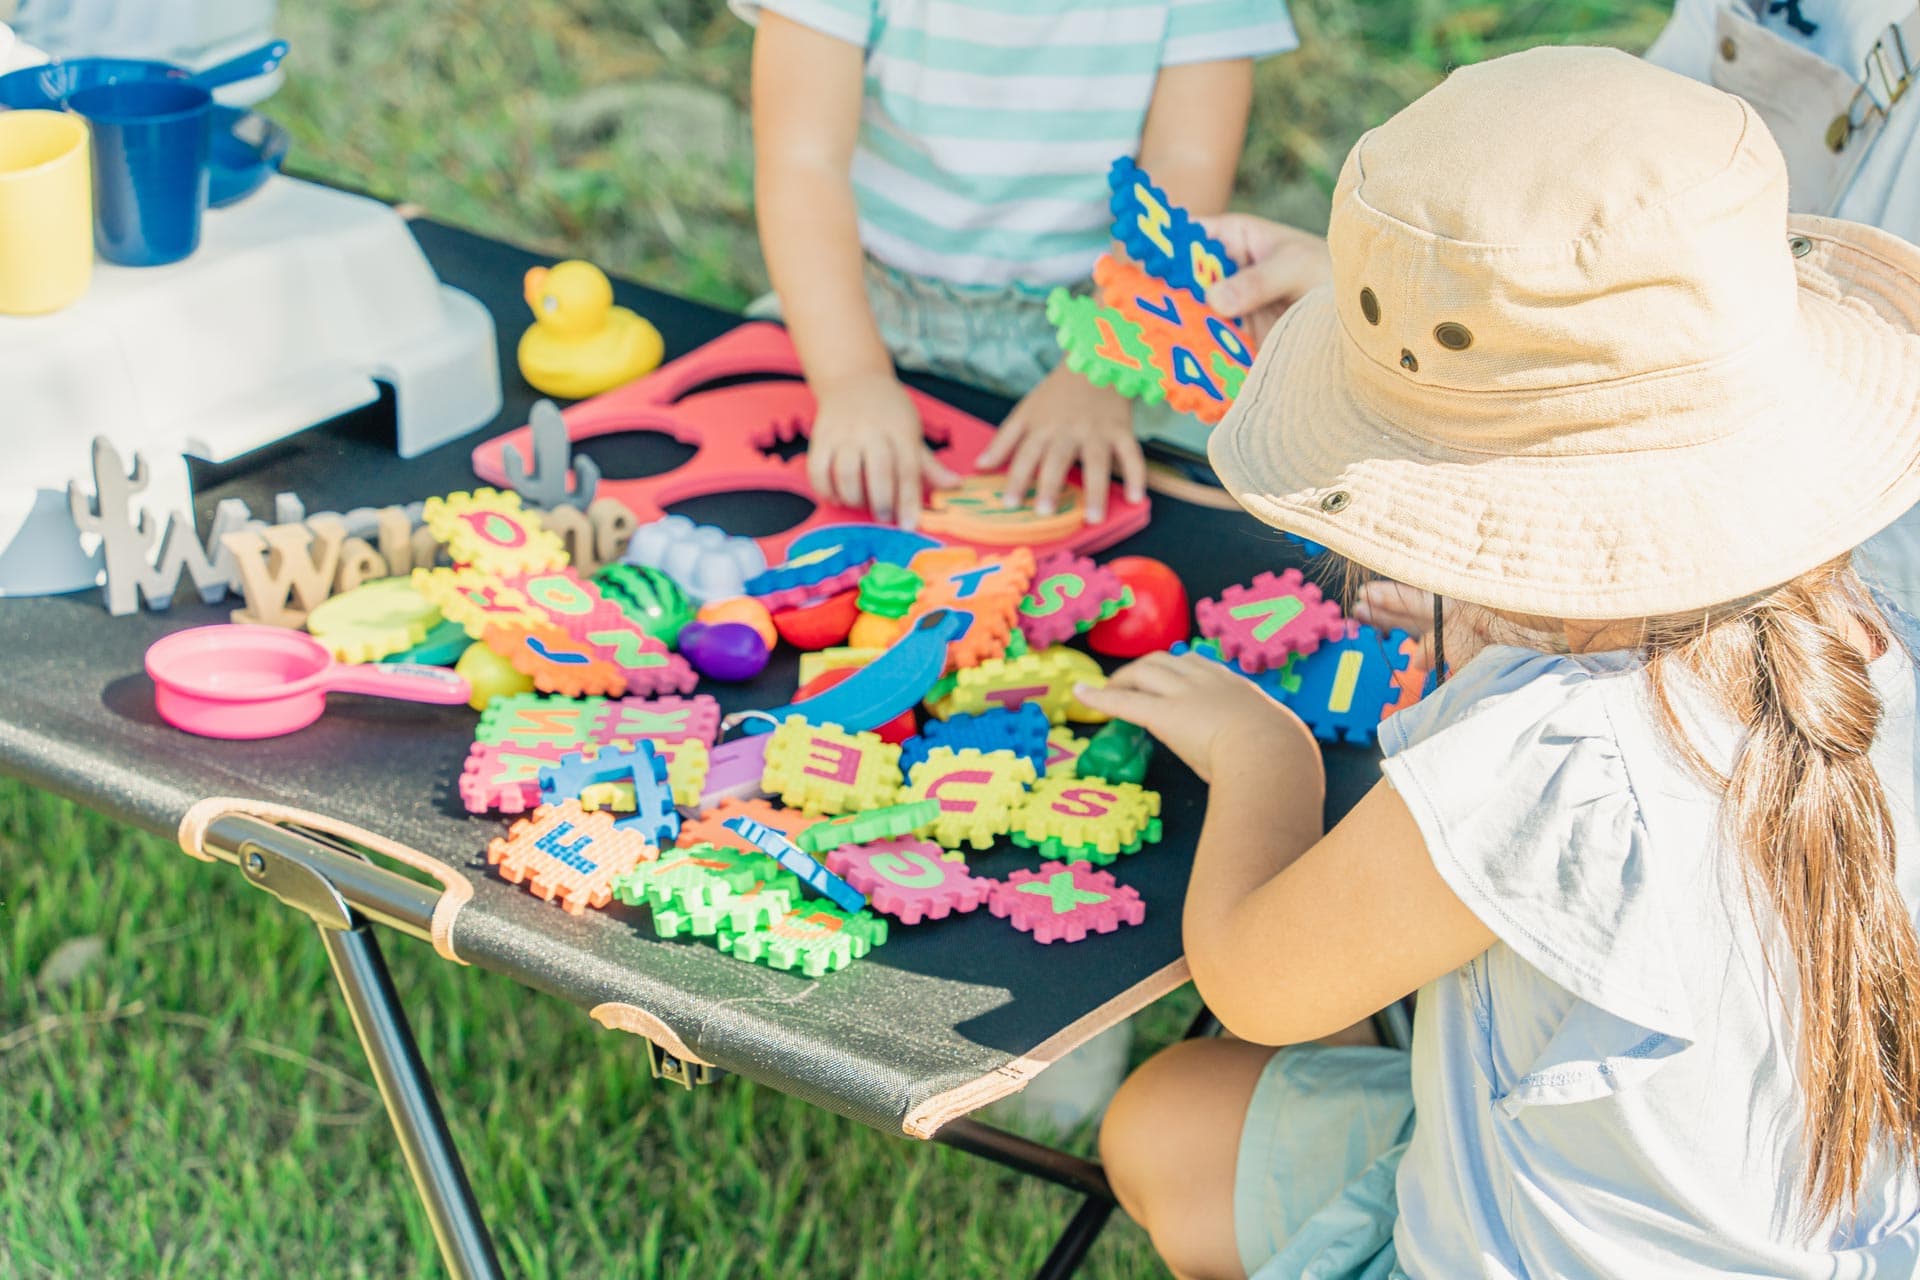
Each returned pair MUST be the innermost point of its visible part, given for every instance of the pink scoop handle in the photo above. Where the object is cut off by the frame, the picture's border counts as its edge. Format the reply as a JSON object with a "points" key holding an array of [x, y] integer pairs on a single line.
{"points": [[404, 680]]}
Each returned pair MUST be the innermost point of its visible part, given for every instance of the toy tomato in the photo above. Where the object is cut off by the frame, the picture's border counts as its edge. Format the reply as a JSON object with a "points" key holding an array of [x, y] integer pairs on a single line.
{"points": [[821, 624], [896, 730], [1156, 619]]}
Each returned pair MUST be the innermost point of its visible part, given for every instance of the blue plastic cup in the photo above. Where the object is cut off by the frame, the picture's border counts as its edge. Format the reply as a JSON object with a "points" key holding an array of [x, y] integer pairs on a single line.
{"points": [[151, 141]]}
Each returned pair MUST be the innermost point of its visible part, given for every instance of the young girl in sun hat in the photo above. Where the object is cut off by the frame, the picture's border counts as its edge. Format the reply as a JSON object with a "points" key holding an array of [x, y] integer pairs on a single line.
{"points": [[1648, 855]]}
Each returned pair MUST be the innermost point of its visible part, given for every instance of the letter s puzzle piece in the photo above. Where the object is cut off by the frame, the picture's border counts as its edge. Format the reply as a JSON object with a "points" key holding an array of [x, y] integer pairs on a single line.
{"points": [[978, 791], [826, 770], [1079, 820], [1262, 624], [911, 880], [1070, 594], [1348, 685], [1065, 902], [566, 853]]}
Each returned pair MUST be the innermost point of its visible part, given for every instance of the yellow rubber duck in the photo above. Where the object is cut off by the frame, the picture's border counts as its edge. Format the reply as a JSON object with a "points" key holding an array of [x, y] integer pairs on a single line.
{"points": [[580, 343]]}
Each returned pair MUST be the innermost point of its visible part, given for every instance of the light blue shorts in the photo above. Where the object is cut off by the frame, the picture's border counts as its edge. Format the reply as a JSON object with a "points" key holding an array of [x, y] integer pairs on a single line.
{"points": [[998, 339], [1313, 1188]]}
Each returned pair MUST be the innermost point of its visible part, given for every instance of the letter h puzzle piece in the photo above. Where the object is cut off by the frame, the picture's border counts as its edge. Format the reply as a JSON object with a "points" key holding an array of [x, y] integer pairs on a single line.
{"points": [[1161, 236], [563, 852]]}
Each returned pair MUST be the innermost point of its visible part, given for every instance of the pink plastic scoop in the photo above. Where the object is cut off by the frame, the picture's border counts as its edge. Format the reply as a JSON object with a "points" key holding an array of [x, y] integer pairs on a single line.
{"points": [[231, 681]]}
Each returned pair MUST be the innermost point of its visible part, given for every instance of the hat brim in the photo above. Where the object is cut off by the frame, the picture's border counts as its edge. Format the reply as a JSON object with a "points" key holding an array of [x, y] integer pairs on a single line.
{"points": [[1633, 534]]}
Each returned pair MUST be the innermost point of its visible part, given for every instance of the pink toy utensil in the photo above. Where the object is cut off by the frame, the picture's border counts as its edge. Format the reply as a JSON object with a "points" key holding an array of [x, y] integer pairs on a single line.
{"points": [[232, 681]]}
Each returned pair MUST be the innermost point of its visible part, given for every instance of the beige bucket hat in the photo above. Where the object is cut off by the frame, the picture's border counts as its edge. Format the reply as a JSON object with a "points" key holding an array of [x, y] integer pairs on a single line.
{"points": [[1577, 361]]}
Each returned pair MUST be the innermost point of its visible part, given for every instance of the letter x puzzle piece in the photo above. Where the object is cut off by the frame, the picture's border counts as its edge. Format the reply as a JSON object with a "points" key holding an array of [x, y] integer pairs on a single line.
{"points": [[1022, 730], [564, 852], [704, 891], [1161, 236], [535, 719], [1201, 356], [817, 939], [641, 767], [1348, 685], [811, 872], [865, 828], [492, 532], [711, 827], [1046, 679], [1079, 820], [979, 792], [911, 880], [1062, 901], [1263, 623], [1070, 594], [826, 770]]}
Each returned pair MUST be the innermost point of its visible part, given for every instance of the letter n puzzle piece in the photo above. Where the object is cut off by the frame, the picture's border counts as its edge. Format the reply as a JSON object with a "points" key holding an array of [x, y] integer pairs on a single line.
{"points": [[492, 532], [1085, 821], [1070, 594], [1262, 624], [816, 940], [826, 770], [978, 791], [1065, 902], [1348, 685], [911, 880], [563, 852]]}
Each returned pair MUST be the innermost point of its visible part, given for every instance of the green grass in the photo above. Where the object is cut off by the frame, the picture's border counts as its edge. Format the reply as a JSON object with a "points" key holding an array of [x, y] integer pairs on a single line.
{"points": [[180, 1094]]}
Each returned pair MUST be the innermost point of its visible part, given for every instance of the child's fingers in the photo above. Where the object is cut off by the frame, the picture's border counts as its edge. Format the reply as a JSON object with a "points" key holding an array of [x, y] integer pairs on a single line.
{"points": [[879, 469], [820, 468], [1058, 459], [1131, 705], [1026, 460], [906, 479], [1157, 673], [1095, 476], [1133, 468], [937, 473], [1010, 434], [846, 478]]}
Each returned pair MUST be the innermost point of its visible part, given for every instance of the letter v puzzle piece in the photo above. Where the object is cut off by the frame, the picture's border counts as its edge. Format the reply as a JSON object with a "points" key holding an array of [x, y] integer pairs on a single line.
{"points": [[1262, 624], [563, 852]]}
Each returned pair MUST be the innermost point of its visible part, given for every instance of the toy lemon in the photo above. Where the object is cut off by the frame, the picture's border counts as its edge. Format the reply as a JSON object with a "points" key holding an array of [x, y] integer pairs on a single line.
{"points": [[580, 343]]}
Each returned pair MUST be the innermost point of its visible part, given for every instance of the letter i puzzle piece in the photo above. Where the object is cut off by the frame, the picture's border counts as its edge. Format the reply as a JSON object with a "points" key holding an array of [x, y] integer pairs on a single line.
{"points": [[911, 880], [1348, 685], [978, 791], [1262, 624], [563, 852], [826, 770], [1065, 902]]}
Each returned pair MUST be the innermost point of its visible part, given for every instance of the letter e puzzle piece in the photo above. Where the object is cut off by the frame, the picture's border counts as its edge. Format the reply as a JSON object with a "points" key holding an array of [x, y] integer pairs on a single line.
{"points": [[1078, 820], [1348, 685], [1064, 902], [978, 791], [1263, 623], [493, 532], [565, 853], [826, 770], [911, 880]]}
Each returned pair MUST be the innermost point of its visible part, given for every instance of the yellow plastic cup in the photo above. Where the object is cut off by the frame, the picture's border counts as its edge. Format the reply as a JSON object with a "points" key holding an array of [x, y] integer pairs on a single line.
{"points": [[46, 211]]}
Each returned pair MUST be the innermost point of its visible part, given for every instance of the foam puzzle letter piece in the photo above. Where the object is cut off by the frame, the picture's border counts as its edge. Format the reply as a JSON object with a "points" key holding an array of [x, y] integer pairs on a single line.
{"points": [[1162, 236], [297, 561]]}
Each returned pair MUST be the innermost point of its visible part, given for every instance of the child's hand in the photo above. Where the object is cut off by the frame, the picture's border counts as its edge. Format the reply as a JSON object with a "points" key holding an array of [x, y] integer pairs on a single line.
{"points": [[1065, 420], [1278, 264], [1203, 712], [867, 449]]}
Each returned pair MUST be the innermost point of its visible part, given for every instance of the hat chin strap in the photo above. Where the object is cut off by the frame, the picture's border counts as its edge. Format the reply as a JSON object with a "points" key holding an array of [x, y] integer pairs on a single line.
{"points": [[1439, 644]]}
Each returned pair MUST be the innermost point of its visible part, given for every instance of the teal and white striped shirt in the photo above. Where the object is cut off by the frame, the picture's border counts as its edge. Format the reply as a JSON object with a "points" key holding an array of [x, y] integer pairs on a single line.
{"points": [[988, 125]]}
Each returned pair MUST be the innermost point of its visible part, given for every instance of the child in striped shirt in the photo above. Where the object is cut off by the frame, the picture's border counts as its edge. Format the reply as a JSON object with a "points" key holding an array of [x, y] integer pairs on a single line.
{"points": [[927, 171]]}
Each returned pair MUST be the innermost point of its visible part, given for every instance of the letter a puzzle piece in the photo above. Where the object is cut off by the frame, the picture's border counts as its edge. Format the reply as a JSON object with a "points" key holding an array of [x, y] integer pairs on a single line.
{"points": [[978, 792], [1070, 594], [1262, 624], [1104, 347], [817, 939], [828, 771], [1087, 821], [911, 880], [563, 852], [711, 827], [1065, 902], [1348, 685], [492, 532], [1201, 356]]}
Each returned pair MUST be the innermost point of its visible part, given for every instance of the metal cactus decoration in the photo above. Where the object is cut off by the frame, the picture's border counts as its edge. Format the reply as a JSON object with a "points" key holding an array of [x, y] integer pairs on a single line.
{"points": [[143, 558], [546, 484]]}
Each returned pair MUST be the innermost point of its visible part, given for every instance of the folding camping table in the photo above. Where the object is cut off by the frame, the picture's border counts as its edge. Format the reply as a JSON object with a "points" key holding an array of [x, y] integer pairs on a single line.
{"points": [[940, 1021]]}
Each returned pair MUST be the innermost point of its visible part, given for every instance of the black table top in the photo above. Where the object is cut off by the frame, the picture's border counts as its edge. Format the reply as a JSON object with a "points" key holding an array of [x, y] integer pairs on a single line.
{"points": [[939, 1008]]}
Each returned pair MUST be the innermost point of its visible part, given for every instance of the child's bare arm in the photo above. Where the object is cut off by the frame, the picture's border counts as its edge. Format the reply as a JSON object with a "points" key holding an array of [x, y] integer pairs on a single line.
{"points": [[866, 447], [1291, 934], [1191, 145]]}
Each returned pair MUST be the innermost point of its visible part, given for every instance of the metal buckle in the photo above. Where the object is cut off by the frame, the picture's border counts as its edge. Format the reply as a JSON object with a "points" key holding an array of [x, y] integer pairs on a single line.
{"points": [[665, 1066], [1894, 87]]}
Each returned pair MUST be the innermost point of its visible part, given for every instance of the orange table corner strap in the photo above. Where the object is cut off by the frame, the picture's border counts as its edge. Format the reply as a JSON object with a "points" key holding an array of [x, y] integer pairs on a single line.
{"points": [[931, 1115], [616, 1016], [456, 890]]}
